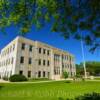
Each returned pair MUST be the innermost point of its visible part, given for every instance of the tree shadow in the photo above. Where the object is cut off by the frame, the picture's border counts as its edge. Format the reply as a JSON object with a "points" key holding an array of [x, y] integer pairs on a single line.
{"points": [[1, 87]]}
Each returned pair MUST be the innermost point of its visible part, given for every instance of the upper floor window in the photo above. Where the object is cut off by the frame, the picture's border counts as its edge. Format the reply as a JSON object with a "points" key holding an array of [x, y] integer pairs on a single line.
{"points": [[22, 59], [48, 63], [39, 50], [30, 48], [13, 46], [39, 62], [44, 62], [10, 48], [48, 52], [12, 60], [23, 46], [30, 61], [44, 50]]}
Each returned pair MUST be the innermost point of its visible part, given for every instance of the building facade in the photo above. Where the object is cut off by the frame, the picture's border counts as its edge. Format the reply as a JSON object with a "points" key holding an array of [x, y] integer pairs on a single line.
{"points": [[35, 59]]}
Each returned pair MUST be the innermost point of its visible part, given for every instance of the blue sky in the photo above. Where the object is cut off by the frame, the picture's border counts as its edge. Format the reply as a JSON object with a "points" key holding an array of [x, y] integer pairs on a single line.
{"points": [[54, 39]]}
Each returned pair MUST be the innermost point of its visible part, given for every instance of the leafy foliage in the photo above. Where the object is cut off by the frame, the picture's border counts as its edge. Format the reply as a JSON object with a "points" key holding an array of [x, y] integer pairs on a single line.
{"points": [[73, 15], [92, 67], [17, 78], [89, 96], [65, 74]]}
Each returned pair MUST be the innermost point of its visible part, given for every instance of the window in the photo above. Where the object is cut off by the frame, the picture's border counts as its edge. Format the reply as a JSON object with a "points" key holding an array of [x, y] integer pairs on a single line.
{"points": [[43, 73], [23, 46], [48, 63], [48, 74], [21, 72], [44, 62], [13, 46], [30, 61], [44, 51], [8, 50], [12, 60], [39, 73], [29, 73], [39, 50], [39, 62], [30, 48], [48, 52], [22, 60]]}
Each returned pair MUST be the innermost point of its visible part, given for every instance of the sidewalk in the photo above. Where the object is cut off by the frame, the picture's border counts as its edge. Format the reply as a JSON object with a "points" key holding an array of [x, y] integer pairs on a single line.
{"points": [[3, 81]]}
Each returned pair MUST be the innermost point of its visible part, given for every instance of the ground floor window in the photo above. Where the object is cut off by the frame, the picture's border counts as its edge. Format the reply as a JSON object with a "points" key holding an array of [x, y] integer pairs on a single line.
{"points": [[39, 73], [29, 73], [21, 72], [48, 74], [43, 73]]}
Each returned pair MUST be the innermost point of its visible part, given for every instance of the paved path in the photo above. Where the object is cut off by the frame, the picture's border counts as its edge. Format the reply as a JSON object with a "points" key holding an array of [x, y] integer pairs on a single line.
{"points": [[2, 81]]}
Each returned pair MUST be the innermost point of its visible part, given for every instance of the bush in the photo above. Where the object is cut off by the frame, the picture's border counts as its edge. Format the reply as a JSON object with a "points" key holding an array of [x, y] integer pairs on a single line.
{"points": [[91, 96], [88, 96], [65, 75], [5, 78], [17, 78]]}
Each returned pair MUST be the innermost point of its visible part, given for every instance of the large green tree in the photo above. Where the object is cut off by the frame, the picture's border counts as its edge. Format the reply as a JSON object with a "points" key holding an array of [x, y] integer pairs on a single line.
{"points": [[68, 17], [91, 66]]}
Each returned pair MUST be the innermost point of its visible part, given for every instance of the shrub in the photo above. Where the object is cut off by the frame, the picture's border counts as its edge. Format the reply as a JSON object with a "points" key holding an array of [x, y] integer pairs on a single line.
{"points": [[5, 78], [91, 96], [17, 78], [88, 96], [65, 74]]}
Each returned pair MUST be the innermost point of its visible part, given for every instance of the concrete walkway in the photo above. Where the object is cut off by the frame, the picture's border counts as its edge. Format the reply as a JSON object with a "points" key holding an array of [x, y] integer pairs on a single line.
{"points": [[2, 81], [27, 82]]}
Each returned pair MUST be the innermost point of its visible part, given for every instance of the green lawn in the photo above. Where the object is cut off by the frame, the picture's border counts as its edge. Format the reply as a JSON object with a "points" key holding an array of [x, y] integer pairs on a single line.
{"points": [[39, 79], [46, 91]]}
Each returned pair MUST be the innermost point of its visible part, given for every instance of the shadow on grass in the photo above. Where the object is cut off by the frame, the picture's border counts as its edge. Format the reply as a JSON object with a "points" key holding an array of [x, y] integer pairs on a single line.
{"points": [[88, 96], [67, 81], [1, 87]]}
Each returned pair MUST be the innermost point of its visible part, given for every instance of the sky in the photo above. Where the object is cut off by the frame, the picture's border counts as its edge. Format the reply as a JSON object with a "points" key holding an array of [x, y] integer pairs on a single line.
{"points": [[54, 39]]}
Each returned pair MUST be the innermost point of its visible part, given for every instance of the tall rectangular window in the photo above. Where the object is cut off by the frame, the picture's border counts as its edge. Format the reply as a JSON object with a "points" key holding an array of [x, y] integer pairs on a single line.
{"points": [[48, 52], [48, 74], [44, 62], [39, 63], [13, 46], [43, 73], [23, 46], [22, 60], [30, 61], [39, 73], [29, 73], [44, 50], [12, 60], [48, 63], [39, 50], [30, 48]]}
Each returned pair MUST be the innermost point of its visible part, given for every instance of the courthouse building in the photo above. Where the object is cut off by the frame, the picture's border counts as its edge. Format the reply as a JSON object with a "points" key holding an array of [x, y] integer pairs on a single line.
{"points": [[35, 59]]}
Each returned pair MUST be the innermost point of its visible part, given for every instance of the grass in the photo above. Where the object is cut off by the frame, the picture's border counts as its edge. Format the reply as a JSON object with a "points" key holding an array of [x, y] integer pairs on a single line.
{"points": [[46, 91], [38, 79], [97, 78]]}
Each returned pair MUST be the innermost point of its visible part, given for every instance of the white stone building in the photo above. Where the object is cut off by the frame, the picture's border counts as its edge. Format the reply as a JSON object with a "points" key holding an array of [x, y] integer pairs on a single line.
{"points": [[35, 59]]}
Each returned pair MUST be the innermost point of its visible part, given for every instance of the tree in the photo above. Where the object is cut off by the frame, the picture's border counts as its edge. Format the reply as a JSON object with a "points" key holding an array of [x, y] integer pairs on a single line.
{"points": [[65, 74], [73, 15], [92, 67]]}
